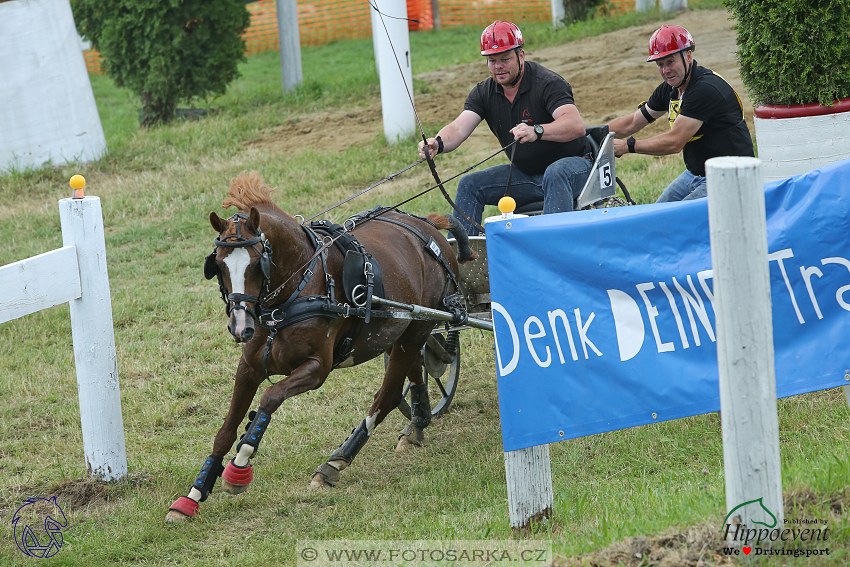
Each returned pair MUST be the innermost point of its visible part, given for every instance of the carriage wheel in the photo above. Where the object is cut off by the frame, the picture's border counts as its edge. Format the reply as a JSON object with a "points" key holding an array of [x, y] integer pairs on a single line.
{"points": [[440, 371]]}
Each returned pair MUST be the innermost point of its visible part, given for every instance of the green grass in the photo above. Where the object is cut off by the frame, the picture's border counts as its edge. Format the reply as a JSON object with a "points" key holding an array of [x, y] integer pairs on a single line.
{"points": [[176, 362]]}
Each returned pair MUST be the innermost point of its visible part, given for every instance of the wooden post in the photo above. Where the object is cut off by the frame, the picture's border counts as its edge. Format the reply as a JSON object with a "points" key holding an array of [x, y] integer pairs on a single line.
{"points": [[529, 478], [745, 360], [558, 13], [94, 341], [435, 15], [290, 44], [394, 69]]}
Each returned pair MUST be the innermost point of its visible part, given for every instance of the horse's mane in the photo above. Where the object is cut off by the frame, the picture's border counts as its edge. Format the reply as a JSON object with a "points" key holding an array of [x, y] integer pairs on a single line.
{"points": [[248, 189]]}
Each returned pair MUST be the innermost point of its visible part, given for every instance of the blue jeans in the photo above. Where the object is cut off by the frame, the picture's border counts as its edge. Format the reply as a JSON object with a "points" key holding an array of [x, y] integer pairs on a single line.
{"points": [[557, 187], [684, 188]]}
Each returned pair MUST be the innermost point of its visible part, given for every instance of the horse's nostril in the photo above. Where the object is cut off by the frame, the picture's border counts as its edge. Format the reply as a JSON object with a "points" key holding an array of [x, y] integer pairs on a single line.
{"points": [[247, 334]]}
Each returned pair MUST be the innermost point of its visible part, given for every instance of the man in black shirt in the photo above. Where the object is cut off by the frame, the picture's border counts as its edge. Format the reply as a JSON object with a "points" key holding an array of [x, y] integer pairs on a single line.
{"points": [[526, 102], [705, 114]]}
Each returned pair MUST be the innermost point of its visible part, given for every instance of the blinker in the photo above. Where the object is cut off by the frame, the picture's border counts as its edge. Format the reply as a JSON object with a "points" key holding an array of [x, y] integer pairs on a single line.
{"points": [[210, 267]]}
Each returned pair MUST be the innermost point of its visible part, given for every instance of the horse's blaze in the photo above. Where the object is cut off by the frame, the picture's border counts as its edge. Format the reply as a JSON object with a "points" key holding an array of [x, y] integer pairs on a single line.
{"points": [[238, 476]]}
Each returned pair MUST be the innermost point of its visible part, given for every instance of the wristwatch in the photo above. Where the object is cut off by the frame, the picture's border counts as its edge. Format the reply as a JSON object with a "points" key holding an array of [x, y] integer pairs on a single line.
{"points": [[538, 129], [631, 143]]}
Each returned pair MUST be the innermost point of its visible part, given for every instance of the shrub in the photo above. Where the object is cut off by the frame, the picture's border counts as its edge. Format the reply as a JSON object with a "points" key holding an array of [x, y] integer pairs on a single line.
{"points": [[580, 10], [793, 51], [166, 50]]}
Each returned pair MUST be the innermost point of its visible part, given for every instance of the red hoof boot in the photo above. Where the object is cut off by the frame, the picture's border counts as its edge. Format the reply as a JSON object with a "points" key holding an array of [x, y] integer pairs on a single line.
{"points": [[238, 476], [185, 505]]}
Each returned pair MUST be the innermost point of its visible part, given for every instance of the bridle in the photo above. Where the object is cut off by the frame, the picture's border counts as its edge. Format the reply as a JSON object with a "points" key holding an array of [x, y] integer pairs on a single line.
{"points": [[234, 301]]}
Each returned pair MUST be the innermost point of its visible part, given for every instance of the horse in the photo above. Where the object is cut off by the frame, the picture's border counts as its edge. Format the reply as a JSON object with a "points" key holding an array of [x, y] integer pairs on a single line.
{"points": [[280, 280]]}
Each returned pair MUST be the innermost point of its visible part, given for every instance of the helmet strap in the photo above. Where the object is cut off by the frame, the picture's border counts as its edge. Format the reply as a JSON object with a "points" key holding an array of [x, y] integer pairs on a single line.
{"points": [[521, 69], [687, 70]]}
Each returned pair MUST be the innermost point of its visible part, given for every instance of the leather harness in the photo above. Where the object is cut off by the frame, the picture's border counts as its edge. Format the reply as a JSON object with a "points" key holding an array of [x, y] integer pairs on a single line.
{"points": [[298, 308]]}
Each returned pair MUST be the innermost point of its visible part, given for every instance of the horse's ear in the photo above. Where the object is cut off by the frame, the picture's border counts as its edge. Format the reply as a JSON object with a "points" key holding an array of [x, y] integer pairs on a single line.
{"points": [[254, 219], [217, 222]]}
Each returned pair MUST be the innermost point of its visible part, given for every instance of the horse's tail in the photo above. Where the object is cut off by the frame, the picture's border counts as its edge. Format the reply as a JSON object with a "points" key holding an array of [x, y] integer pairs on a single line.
{"points": [[448, 222]]}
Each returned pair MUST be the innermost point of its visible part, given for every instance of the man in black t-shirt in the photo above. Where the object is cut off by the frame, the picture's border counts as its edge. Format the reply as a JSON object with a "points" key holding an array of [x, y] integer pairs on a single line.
{"points": [[526, 102], [705, 114]]}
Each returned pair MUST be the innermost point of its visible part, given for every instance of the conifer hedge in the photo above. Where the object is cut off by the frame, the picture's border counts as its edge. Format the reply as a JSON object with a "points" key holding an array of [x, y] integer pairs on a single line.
{"points": [[793, 51]]}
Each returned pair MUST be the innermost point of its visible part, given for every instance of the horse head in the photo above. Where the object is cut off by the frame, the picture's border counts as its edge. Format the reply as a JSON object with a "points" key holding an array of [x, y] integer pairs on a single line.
{"points": [[242, 263]]}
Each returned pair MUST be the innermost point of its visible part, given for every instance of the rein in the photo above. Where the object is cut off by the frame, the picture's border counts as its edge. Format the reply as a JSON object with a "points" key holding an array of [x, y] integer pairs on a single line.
{"points": [[328, 242]]}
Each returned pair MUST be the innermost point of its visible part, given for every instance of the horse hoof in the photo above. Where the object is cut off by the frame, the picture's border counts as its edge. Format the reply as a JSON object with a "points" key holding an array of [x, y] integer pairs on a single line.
{"points": [[175, 517], [233, 489], [235, 479], [184, 508], [411, 436], [318, 483]]}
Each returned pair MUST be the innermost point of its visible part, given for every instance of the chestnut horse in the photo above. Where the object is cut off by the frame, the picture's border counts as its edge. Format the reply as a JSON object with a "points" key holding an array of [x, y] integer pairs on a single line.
{"points": [[280, 280]]}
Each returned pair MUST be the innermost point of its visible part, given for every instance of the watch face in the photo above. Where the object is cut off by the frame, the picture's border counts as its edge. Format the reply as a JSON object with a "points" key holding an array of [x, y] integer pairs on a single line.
{"points": [[538, 129]]}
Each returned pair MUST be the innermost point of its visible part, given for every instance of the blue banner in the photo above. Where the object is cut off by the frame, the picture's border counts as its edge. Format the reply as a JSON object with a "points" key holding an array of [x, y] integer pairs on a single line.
{"points": [[604, 319]]}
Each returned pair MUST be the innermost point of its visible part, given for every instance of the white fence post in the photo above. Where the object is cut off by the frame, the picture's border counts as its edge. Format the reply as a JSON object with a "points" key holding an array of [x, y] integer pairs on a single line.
{"points": [[290, 44], [396, 107], [529, 478], [558, 13], [745, 360], [94, 341]]}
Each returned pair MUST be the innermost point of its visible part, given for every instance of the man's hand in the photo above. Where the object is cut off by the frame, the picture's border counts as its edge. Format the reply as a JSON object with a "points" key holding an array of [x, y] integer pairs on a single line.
{"points": [[433, 146], [524, 133], [620, 147]]}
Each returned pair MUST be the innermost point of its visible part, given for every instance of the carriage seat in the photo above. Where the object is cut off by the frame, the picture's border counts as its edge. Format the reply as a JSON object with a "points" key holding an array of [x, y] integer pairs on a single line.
{"points": [[596, 137]]}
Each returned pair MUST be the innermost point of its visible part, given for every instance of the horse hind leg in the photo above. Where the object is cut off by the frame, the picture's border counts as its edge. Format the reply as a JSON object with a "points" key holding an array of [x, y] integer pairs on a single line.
{"points": [[420, 408], [327, 475]]}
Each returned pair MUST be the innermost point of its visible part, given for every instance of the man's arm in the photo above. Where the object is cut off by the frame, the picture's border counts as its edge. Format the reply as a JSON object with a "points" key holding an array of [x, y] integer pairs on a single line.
{"points": [[453, 134], [566, 126], [625, 126], [664, 144]]}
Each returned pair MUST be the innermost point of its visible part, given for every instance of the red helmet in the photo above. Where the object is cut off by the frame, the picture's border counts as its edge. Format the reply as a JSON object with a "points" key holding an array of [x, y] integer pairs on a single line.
{"points": [[668, 40], [500, 36]]}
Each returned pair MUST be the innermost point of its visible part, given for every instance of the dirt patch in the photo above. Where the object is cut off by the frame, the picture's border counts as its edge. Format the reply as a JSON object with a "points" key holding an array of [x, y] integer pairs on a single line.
{"points": [[700, 545], [78, 494], [608, 73], [694, 547], [88, 494]]}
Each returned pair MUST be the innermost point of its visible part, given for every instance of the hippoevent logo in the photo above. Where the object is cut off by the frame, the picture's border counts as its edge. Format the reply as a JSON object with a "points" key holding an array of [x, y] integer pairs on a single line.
{"points": [[38, 527], [760, 540]]}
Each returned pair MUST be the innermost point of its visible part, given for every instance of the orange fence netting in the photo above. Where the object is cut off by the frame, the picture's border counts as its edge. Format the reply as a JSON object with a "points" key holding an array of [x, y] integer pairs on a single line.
{"points": [[324, 21]]}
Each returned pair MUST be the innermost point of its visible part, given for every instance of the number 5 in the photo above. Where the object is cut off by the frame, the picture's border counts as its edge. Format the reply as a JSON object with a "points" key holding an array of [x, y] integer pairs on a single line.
{"points": [[605, 176]]}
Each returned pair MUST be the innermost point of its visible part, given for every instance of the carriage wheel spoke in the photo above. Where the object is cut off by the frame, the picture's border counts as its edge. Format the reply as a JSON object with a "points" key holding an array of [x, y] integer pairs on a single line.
{"points": [[440, 386]]}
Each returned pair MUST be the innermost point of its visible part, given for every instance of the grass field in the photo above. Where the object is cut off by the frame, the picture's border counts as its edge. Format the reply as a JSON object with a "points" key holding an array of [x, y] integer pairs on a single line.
{"points": [[176, 363]]}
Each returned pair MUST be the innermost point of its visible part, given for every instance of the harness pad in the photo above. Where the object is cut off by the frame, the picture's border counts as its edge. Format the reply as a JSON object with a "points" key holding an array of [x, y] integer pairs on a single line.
{"points": [[354, 277]]}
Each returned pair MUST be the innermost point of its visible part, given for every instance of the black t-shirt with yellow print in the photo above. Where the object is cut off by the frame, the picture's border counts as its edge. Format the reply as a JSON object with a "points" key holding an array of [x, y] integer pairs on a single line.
{"points": [[709, 98]]}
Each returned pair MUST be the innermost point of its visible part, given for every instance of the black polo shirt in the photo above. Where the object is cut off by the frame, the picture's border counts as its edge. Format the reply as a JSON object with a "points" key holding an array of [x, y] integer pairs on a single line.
{"points": [[709, 98], [540, 92]]}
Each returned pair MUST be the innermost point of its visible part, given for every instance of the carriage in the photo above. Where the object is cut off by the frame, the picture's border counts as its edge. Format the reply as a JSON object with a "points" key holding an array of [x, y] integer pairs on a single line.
{"points": [[441, 358]]}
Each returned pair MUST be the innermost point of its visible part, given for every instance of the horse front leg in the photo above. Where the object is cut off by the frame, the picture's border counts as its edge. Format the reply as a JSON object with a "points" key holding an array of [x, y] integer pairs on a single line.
{"points": [[246, 383], [386, 399]]}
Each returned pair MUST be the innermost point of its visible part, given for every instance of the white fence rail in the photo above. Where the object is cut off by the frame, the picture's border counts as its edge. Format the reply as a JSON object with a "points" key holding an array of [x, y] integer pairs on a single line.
{"points": [[76, 273]]}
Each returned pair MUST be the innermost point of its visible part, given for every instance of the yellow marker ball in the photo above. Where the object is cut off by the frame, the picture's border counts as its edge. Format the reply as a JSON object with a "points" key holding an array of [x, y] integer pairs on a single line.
{"points": [[507, 204], [77, 182]]}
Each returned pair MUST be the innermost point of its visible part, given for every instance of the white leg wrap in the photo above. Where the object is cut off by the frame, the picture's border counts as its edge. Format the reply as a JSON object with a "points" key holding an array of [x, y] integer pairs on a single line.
{"points": [[243, 456]]}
